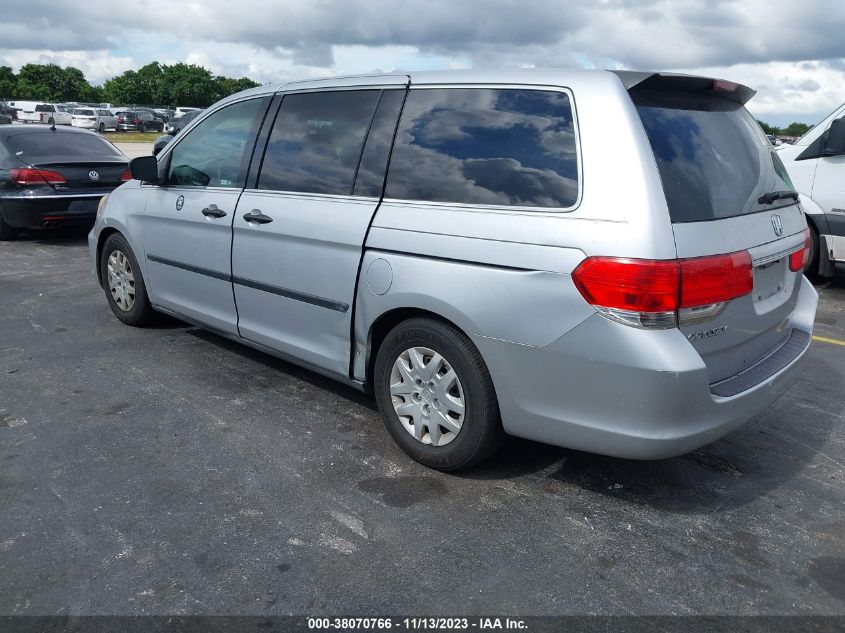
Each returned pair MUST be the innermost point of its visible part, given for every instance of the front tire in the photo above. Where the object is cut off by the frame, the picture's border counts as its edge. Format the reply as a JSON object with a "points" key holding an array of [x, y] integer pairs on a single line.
{"points": [[123, 283], [436, 395]]}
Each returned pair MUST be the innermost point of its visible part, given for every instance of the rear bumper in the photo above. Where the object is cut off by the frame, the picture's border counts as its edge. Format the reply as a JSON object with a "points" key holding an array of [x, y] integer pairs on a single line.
{"points": [[84, 124], [616, 390], [36, 212]]}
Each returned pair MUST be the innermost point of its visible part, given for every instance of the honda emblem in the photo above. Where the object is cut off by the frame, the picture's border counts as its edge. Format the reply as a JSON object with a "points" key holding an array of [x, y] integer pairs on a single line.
{"points": [[777, 224]]}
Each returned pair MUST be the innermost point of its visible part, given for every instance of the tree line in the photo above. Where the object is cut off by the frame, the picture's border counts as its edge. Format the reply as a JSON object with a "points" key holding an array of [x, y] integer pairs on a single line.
{"points": [[160, 84], [793, 129]]}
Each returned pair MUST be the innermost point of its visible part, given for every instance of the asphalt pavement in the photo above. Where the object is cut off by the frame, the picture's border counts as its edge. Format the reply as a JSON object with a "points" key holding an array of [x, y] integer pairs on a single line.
{"points": [[170, 471]]}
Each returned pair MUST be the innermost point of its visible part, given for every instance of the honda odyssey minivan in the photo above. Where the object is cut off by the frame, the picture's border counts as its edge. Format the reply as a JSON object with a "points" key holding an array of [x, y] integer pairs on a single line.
{"points": [[607, 261]]}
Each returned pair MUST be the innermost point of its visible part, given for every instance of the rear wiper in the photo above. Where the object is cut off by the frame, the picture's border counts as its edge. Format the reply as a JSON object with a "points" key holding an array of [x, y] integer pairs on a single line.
{"points": [[769, 198]]}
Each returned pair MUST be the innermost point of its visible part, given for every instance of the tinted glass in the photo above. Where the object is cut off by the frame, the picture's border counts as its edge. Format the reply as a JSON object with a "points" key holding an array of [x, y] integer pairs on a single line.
{"points": [[316, 141], [214, 153], [484, 146], [84, 112], [370, 180], [714, 159], [44, 108], [36, 145]]}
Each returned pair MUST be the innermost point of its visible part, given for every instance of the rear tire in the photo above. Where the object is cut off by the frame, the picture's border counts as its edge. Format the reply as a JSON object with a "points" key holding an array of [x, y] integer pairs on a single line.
{"points": [[812, 270], [124, 286], [472, 431], [7, 233], [102, 128]]}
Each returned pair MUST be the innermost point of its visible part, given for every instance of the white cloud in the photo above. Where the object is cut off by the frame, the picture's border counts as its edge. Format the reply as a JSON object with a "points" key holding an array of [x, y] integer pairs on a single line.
{"points": [[792, 53], [96, 65]]}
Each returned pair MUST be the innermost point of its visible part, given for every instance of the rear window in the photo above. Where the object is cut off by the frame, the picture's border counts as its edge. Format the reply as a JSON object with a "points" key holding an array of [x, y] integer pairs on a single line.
{"points": [[36, 145], [84, 112], [713, 158], [44, 108], [486, 146]]}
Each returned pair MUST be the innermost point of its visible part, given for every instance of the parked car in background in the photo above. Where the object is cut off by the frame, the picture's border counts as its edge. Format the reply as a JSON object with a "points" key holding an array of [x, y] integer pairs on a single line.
{"points": [[46, 113], [167, 113], [108, 121], [94, 119], [173, 127], [480, 285], [158, 116], [7, 113], [139, 120], [816, 166], [53, 177], [182, 111]]}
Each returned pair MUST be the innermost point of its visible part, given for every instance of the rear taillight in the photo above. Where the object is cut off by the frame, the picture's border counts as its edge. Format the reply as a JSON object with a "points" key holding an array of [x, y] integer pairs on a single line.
{"points": [[664, 293], [31, 176], [127, 175], [801, 258]]}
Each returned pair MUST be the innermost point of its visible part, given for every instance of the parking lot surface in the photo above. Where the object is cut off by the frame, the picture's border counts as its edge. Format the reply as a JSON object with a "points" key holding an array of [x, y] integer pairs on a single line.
{"points": [[167, 470]]}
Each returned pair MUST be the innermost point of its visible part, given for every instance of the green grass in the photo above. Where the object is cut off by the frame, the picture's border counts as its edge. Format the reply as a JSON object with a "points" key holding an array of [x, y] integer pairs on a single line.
{"points": [[132, 137]]}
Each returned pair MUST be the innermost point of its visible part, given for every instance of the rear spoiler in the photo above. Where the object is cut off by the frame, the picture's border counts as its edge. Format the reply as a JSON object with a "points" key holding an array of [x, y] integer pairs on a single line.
{"points": [[692, 84]]}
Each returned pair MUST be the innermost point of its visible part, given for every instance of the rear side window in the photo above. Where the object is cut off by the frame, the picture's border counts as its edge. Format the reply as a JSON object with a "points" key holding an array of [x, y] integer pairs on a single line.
{"points": [[713, 158], [316, 142], [35, 145], [486, 146], [215, 153]]}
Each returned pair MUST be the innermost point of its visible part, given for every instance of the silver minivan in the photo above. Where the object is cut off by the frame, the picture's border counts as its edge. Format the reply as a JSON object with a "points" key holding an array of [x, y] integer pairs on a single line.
{"points": [[607, 261]]}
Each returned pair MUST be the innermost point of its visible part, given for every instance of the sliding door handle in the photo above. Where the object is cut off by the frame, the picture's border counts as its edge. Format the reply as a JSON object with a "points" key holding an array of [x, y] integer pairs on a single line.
{"points": [[256, 216]]}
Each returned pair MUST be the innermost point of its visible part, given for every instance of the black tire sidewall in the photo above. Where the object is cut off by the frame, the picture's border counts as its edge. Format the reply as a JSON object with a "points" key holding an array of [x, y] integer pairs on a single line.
{"points": [[479, 416], [6, 231], [812, 270], [141, 310]]}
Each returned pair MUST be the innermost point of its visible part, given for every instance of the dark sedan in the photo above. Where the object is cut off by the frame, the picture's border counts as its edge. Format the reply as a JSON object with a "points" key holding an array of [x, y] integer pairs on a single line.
{"points": [[52, 176]]}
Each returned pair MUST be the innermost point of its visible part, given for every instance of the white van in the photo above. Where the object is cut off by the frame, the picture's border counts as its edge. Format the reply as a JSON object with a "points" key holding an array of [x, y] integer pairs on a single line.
{"points": [[816, 166]]}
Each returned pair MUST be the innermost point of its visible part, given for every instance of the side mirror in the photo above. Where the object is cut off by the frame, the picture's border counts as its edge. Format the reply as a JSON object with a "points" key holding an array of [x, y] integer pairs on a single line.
{"points": [[161, 142], [144, 168], [835, 145]]}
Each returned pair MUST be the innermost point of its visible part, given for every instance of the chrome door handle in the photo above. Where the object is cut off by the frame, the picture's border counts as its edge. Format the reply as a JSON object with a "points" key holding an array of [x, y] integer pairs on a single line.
{"points": [[211, 211], [256, 216]]}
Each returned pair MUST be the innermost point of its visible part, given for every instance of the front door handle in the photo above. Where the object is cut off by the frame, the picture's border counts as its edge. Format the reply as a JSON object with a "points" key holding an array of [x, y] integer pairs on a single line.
{"points": [[211, 211], [256, 216]]}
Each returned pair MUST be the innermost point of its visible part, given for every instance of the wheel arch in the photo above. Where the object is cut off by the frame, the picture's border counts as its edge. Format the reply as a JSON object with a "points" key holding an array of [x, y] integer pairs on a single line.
{"points": [[101, 239], [386, 321]]}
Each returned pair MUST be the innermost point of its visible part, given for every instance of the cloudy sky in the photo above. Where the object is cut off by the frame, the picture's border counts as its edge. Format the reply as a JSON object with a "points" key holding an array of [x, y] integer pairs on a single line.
{"points": [[792, 52]]}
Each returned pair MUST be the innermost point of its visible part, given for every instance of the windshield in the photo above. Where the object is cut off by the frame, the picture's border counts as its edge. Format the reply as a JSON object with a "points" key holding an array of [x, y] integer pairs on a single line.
{"points": [[31, 147], [714, 160]]}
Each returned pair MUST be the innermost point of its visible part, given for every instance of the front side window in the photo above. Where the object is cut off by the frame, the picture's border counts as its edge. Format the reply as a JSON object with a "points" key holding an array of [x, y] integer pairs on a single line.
{"points": [[214, 154], [513, 147], [316, 142]]}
